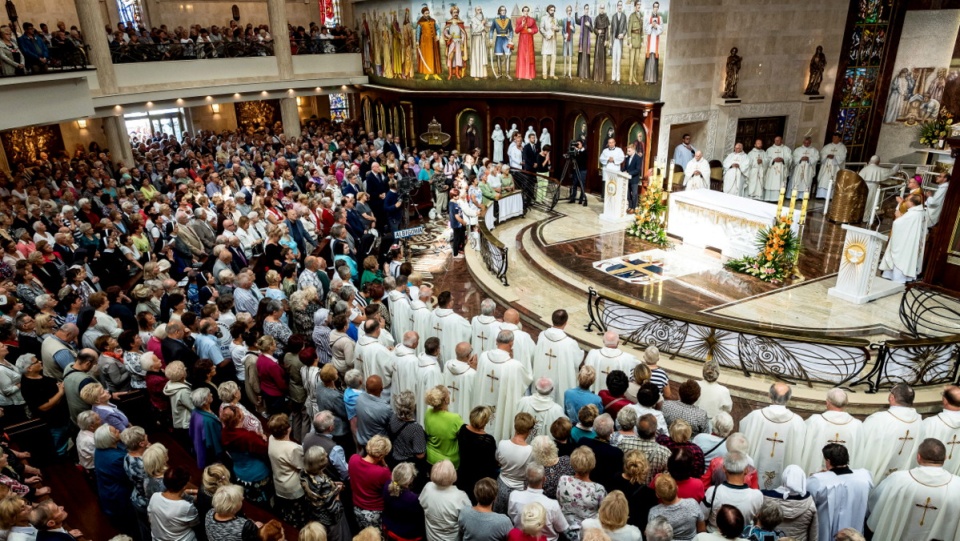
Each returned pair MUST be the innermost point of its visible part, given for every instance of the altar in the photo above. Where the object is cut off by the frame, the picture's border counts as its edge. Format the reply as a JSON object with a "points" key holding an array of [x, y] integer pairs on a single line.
{"points": [[730, 223]]}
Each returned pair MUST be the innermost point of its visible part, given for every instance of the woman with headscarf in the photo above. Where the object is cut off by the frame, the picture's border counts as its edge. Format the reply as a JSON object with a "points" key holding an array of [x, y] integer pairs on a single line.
{"points": [[796, 504]]}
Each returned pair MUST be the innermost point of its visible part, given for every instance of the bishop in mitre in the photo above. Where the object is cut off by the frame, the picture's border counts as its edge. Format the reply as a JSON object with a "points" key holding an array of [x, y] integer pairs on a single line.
{"points": [[888, 440], [736, 167], [757, 172], [832, 426], [918, 504], [500, 383], [450, 327], [696, 174], [779, 161], [872, 174], [558, 356], [609, 358], [429, 374], [484, 327], [834, 156], [805, 159], [776, 436], [373, 358], [523, 344], [903, 259], [421, 316], [399, 307], [405, 364], [542, 407], [459, 375], [945, 426]]}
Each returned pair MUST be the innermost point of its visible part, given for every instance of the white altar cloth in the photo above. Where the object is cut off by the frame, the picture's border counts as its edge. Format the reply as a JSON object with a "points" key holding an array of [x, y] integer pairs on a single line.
{"points": [[510, 206], [719, 220]]}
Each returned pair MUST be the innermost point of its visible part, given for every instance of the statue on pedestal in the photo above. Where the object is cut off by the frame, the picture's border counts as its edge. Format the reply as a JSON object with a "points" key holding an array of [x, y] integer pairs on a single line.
{"points": [[733, 75], [817, 64]]}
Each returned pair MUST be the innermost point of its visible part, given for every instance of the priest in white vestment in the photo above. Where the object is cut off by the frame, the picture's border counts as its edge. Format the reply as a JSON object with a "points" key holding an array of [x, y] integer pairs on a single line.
{"points": [[429, 374], [450, 327], [903, 259], [544, 410], [558, 356], [834, 156], [918, 504], [523, 344], [611, 158], [484, 327], [459, 376], [609, 358], [714, 397], [935, 202], [421, 317], [841, 494], [805, 159], [779, 162], [872, 174], [758, 171], [888, 440], [832, 426], [736, 166], [945, 426], [385, 337], [399, 307], [500, 383], [776, 437], [405, 364], [373, 359], [696, 175]]}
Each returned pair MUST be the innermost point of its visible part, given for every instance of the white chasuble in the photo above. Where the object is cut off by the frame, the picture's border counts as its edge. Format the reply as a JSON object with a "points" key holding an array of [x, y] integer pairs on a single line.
{"points": [[888, 442], [523, 345], [830, 166], [756, 175], [606, 360], [775, 435], [429, 375], [405, 371], [803, 169], [399, 313], [451, 328], [916, 505], [828, 427], [557, 357], [734, 178], [500, 383], [905, 250], [696, 175], [484, 331], [779, 160], [421, 319], [459, 379], [945, 426], [544, 410], [373, 359]]}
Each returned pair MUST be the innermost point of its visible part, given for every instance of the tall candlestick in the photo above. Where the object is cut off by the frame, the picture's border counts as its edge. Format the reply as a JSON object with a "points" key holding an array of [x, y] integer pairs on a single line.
{"points": [[793, 204], [783, 191], [670, 176], [803, 207]]}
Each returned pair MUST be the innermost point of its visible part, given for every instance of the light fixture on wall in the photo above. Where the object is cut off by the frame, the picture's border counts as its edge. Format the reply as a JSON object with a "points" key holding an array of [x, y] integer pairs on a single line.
{"points": [[215, 107], [82, 123], [299, 101]]}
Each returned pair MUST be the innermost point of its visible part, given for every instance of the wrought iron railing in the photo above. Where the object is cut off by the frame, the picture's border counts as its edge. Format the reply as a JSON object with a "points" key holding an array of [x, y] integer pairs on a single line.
{"points": [[916, 362], [539, 191], [928, 311], [493, 252], [61, 59], [322, 46], [161, 52]]}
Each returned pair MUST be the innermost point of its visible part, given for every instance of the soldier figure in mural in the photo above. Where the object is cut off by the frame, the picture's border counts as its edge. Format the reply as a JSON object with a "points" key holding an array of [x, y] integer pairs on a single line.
{"points": [[501, 37], [569, 27], [478, 47], [634, 42], [601, 25], [526, 57], [428, 45], [455, 37], [651, 69], [586, 30]]}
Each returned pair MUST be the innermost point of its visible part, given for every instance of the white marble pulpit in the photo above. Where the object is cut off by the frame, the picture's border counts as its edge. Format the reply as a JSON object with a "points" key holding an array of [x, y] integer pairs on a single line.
{"points": [[615, 185], [857, 279]]}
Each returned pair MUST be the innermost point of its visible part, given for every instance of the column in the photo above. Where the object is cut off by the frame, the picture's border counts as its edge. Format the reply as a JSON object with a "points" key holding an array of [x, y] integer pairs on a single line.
{"points": [[277, 11], [118, 140], [98, 51], [290, 116]]}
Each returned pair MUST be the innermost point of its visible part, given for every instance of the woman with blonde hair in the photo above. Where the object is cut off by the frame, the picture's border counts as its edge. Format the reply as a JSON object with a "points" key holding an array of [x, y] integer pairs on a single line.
{"points": [[613, 517], [323, 494], [442, 502], [533, 518], [222, 522], [229, 393], [313, 531], [213, 477], [99, 400], [683, 514], [441, 427], [368, 475], [155, 460], [513, 456], [546, 454], [402, 513], [632, 483], [579, 497], [477, 449]]}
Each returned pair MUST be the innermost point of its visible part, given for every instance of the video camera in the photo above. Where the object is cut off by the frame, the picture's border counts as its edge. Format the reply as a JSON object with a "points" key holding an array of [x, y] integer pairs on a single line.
{"points": [[574, 149]]}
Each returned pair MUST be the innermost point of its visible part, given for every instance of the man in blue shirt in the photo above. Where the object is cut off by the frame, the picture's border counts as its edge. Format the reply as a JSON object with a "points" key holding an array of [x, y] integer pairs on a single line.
{"points": [[393, 206], [580, 396], [457, 223], [34, 49]]}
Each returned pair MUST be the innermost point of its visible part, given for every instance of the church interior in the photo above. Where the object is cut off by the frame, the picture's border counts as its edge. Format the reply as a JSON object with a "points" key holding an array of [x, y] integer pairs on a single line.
{"points": [[763, 186]]}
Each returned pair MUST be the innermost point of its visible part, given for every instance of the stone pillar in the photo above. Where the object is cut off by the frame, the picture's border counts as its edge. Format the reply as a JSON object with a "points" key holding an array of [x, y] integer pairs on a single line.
{"points": [[277, 11], [290, 116], [118, 140], [98, 51]]}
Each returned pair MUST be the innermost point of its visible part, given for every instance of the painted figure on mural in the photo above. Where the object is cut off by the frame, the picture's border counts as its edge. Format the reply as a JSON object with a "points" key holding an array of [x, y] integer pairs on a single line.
{"points": [[937, 85], [817, 65], [396, 33], [428, 45], [901, 88], [386, 44], [654, 27], [375, 48], [569, 27], [548, 46], [478, 44], [471, 138], [618, 31], [585, 22], [601, 26], [365, 43], [409, 47], [634, 42], [455, 37], [501, 36], [526, 58]]}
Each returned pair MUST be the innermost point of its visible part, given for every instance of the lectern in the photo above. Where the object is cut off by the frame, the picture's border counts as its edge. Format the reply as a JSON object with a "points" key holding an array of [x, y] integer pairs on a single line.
{"points": [[857, 280], [615, 185]]}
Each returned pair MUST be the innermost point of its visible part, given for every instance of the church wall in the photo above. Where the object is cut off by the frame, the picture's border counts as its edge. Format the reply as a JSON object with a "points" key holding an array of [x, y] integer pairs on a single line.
{"points": [[205, 119], [927, 41], [73, 135], [776, 41], [47, 11], [176, 13]]}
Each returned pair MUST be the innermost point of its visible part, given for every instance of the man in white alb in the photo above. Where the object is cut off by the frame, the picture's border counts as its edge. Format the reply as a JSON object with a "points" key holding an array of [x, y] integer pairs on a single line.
{"points": [[805, 159], [840, 493], [736, 167], [834, 156], [523, 344], [903, 259], [779, 161], [611, 158], [557, 356], [421, 316], [872, 174], [399, 307], [405, 364], [609, 358], [696, 175], [758, 171], [935, 201], [776, 436], [429, 374], [832, 426], [459, 376], [500, 383], [921, 503], [373, 358], [888, 440], [450, 327], [485, 327], [945, 426], [541, 405]]}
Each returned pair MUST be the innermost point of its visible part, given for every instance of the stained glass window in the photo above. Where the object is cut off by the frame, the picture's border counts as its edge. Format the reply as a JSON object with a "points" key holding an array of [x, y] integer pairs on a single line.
{"points": [[339, 107]]}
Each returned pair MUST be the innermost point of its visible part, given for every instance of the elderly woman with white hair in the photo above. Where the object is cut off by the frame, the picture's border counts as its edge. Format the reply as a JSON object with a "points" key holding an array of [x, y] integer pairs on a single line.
{"points": [[714, 444], [442, 501], [323, 494], [99, 400], [229, 393], [303, 305], [205, 429], [113, 485], [222, 521], [545, 453], [178, 391]]}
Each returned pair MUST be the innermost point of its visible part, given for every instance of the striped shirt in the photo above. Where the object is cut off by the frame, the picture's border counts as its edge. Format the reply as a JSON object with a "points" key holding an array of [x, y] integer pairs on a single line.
{"points": [[658, 377]]}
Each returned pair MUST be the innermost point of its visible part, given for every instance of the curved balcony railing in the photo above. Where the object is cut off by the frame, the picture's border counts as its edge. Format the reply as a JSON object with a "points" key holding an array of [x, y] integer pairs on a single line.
{"points": [[539, 191], [157, 52], [493, 252], [928, 311], [65, 58]]}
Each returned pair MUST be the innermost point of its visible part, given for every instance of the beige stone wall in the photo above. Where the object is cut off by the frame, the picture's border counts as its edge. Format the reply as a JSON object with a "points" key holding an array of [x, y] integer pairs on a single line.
{"points": [[776, 41], [205, 119], [73, 135]]}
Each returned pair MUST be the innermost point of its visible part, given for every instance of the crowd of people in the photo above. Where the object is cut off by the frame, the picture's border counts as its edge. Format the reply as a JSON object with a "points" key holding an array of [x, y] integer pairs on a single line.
{"points": [[247, 287]]}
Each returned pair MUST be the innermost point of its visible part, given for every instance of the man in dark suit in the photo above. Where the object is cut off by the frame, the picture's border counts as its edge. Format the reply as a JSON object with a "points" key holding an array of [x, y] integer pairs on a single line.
{"points": [[633, 166], [377, 188], [174, 348], [530, 154], [48, 517], [609, 458], [391, 146]]}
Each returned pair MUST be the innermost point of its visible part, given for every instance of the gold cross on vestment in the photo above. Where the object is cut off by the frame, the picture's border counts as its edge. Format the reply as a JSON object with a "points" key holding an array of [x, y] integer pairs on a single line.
{"points": [[953, 442], [606, 371], [492, 376], [483, 341], [775, 442], [906, 437], [437, 327], [550, 354], [836, 439], [453, 392], [925, 507]]}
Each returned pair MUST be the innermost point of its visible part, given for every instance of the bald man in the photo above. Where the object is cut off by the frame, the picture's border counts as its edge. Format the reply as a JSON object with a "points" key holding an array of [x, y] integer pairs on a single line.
{"points": [[945, 426], [609, 358], [458, 376], [523, 344], [405, 363], [776, 436]]}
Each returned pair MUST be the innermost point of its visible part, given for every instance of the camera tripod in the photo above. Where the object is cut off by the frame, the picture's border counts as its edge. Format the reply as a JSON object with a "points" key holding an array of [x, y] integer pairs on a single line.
{"points": [[570, 164]]}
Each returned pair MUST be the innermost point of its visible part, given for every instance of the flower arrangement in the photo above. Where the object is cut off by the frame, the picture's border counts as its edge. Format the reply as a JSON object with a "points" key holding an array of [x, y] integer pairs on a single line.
{"points": [[648, 223], [778, 248], [932, 131]]}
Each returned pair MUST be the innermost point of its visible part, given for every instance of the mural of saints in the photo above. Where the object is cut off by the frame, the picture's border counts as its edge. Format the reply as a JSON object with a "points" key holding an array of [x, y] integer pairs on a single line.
{"points": [[478, 47], [409, 48], [501, 33], [428, 45], [386, 45], [455, 37], [526, 58]]}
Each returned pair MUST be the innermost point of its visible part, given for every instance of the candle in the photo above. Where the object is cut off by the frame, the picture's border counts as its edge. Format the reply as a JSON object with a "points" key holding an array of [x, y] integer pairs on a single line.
{"points": [[780, 201], [670, 177], [793, 204], [803, 207]]}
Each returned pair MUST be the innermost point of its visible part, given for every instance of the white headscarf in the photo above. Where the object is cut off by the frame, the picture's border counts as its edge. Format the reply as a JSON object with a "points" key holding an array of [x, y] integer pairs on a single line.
{"points": [[794, 482]]}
